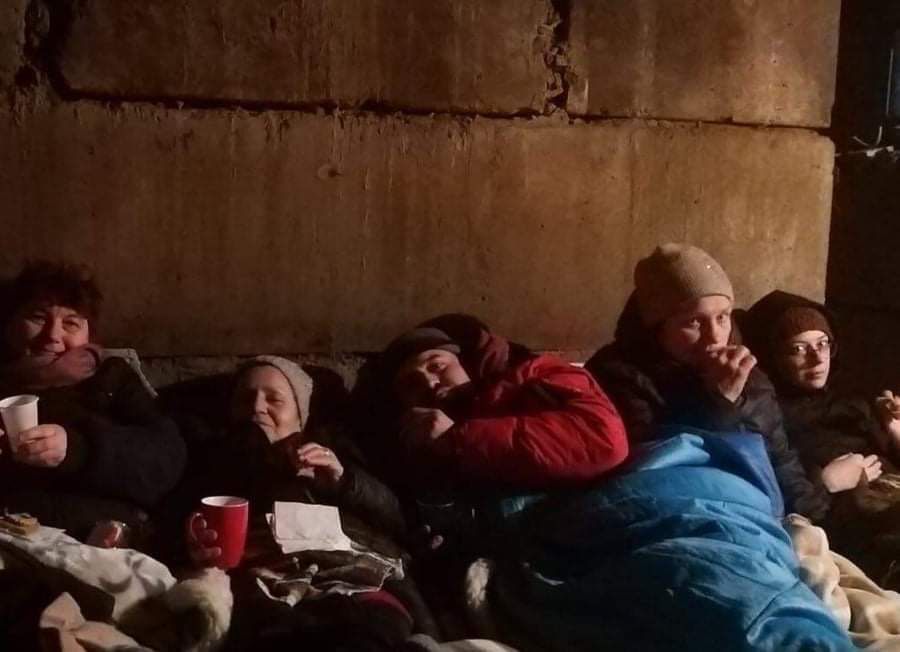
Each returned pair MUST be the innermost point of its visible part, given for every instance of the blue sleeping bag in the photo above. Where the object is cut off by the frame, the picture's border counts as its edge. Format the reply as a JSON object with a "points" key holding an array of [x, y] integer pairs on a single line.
{"points": [[684, 550]]}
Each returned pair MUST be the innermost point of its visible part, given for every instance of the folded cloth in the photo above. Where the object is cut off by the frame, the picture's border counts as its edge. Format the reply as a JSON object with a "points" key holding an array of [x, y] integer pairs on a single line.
{"points": [[314, 573], [870, 613], [64, 629]]}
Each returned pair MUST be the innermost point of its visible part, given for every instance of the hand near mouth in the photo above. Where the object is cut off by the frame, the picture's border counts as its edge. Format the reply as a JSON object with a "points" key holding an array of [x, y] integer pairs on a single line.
{"points": [[726, 369]]}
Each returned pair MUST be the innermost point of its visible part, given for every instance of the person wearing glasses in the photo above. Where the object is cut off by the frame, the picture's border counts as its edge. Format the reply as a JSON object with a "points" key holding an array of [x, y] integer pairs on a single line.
{"points": [[837, 436], [852, 444]]}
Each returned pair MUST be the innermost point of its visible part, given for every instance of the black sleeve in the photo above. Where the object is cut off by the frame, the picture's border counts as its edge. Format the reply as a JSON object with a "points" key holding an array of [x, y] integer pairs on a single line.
{"points": [[693, 404], [633, 394], [130, 450], [359, 492], [762, 414], [645, 406], [362, 494]]}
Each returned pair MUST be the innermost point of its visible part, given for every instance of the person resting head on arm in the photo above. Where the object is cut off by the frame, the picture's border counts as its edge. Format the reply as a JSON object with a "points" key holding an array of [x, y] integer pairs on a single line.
{"points": [[479, 411]]}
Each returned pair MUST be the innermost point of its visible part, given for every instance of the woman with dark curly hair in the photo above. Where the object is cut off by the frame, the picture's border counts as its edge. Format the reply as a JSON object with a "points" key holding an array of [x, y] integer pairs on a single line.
{"points": [[101, 450]]}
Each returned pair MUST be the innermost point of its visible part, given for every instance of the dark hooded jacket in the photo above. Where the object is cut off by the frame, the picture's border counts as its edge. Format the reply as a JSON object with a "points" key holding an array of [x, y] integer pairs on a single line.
{"points": [[651, 390], [821, 424], [122, 454]]}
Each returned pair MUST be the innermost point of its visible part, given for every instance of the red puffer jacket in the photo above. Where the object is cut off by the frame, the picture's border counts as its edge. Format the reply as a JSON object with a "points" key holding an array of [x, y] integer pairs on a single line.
{"points": [[540, 424]]}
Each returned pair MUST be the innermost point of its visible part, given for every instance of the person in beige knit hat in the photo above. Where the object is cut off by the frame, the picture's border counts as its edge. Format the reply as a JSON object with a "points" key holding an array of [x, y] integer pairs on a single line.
{"points": [[678, 360], [681, 290]]}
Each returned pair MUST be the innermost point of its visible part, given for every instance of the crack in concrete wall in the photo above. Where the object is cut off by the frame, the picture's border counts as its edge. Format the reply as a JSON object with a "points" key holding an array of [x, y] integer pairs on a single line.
{"points": [[46, 26], [557, 56]]}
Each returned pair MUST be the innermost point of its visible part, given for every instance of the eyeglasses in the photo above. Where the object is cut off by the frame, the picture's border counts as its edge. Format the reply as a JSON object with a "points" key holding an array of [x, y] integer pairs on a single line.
{"points": [[823, 348]]}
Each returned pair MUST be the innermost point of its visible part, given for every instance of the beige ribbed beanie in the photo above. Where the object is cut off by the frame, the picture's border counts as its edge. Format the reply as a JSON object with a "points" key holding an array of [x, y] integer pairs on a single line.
{"points": [[675, 273], [300, 381]]}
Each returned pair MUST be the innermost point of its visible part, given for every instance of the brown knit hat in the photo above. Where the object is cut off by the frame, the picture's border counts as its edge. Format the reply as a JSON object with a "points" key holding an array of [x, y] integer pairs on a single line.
{"points": [[799, 319], [675, 273]]}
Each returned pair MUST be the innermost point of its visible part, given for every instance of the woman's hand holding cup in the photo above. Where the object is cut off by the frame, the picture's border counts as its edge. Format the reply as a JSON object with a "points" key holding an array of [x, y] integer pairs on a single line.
{"points": [[44, 445]]}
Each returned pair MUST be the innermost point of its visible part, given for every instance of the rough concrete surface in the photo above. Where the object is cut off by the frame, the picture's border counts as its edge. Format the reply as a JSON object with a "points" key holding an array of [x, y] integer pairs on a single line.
{"points": [[439, 55], [226, 232], [12, 39], [747, 61]]}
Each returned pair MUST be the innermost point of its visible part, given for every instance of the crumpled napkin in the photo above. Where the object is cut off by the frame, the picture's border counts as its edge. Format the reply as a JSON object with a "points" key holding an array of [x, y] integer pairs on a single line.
{"points": [[298, 527]]}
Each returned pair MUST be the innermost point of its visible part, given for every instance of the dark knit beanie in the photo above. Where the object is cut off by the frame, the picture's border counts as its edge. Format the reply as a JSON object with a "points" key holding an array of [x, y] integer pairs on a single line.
{"points": [[800, 319], [675, 273], [413, 343], [773, 321]]}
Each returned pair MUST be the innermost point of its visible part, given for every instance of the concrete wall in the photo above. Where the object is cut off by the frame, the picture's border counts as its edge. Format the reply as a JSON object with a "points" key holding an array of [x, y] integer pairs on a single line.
{"points": [[316, 176], [754, 62], [441, 55]]}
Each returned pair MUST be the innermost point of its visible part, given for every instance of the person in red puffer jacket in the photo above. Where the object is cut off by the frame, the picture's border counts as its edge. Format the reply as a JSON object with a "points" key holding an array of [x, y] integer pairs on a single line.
{"points": [[480, 411]]}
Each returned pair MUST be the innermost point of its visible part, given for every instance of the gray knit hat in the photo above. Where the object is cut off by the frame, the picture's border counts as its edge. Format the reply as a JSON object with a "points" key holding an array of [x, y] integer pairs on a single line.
{"points": [[299, 380], [675, 273]]}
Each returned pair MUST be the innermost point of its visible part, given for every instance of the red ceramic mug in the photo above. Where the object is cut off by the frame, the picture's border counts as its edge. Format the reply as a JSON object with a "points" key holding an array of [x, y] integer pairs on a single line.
{"points": [[227, 515]]}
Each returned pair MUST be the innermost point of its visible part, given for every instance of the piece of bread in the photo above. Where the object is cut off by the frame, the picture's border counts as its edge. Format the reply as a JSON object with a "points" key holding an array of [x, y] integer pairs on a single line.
{"points": [[19, 524]]}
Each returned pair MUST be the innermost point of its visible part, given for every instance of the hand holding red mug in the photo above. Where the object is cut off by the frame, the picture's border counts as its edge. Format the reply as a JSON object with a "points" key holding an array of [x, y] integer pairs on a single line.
{"points": [[217, 534], [201, 541]]}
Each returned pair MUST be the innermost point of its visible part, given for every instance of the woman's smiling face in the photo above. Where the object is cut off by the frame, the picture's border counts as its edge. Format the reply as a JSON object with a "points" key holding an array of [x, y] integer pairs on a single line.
{"points": [[42, 329]]}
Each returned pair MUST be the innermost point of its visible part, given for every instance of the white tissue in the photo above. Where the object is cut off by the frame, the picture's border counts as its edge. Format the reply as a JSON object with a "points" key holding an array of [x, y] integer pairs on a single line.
{"points": [[298, 526]]}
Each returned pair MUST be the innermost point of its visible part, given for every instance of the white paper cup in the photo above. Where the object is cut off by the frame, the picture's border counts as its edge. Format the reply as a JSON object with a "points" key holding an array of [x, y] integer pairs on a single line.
{"points": [[19, 413]]}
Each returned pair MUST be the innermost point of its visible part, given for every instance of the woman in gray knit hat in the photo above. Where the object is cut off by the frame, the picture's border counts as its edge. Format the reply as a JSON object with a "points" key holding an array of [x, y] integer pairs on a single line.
{"points": [[269, 454], [677, 360]]}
